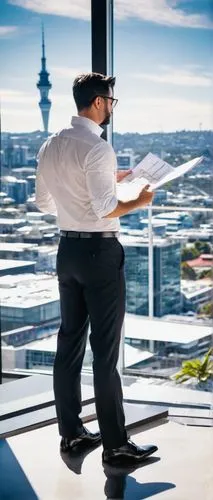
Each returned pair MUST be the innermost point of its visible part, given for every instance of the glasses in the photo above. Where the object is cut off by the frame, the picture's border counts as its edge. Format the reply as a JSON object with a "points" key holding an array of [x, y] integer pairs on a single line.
{"points": [[113, 100]]}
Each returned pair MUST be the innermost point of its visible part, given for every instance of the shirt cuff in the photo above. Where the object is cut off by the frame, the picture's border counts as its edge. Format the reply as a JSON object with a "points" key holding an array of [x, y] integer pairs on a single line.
{"points": [[104, 207]]}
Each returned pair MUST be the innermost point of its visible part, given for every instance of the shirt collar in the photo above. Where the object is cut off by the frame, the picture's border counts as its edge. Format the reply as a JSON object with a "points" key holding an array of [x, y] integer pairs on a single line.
{"points": [[82, 121]]}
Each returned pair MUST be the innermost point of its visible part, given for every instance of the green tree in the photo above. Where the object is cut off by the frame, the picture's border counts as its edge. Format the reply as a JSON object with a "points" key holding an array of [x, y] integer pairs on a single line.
{"points": [[206, 310], [189, 253], [202, 246], [199, 369], [206, 273], [187, 272]]}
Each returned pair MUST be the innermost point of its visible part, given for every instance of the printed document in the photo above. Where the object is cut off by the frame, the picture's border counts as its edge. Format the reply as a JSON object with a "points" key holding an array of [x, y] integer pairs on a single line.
{"points": [[154, 171]]}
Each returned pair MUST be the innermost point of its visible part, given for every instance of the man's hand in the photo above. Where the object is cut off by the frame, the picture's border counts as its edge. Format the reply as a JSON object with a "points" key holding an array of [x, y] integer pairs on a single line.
{"points": [[124, 207], [121, 174], [145, 197]]}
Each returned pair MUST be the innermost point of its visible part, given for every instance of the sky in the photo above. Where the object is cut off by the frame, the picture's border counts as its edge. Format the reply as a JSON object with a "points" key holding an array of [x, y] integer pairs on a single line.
{"points": [[162, 62]]}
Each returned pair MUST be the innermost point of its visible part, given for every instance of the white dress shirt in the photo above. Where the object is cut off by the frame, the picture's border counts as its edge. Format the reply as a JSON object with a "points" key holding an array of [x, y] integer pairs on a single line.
{"points": [[76, 178]]}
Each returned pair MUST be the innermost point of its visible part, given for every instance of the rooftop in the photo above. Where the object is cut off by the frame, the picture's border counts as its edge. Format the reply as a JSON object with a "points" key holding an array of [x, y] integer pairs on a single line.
{"points": [[193, 288], [140, 327], [172, 215], [204, 260], [17, 247], [131, 354], [28, 290], [12, 264], [196, 232], [139, 241], [23, 247], [11, 222]]}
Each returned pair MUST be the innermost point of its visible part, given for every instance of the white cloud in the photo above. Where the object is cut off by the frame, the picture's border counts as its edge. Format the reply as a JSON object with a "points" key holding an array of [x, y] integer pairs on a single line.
{"points": [[77, 9], [164, 12], [17, 113], [142, 115], [62, 99], [7, 30], [69, 73], [20, 112], [178, 77], [20, 120], [11, 96], [161, 114]]}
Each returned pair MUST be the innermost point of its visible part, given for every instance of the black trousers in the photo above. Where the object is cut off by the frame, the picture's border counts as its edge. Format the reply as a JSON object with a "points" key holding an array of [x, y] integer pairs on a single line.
{"points": [[92, 289]]}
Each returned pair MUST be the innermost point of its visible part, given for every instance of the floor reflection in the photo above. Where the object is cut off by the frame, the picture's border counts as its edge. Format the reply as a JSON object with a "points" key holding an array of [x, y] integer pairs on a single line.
{"points": [[121, 486], [74, 459]]}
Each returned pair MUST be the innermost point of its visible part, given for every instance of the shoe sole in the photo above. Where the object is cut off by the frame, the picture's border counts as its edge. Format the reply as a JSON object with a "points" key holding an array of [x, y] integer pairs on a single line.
{"points": [[81, 443], [124, 460]]}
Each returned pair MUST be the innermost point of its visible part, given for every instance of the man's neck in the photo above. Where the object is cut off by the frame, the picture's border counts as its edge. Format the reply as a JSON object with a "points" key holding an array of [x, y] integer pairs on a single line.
{"points": [[85, 114]]}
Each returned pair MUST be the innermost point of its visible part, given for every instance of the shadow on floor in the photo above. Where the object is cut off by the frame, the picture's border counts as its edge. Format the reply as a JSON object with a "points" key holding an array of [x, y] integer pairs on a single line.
{"points": [[119, 485], [138, 491], [13, 482]]}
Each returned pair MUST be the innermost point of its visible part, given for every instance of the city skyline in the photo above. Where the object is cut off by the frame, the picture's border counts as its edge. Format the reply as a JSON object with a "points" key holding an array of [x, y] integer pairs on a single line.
{"points": [[165, 88]]}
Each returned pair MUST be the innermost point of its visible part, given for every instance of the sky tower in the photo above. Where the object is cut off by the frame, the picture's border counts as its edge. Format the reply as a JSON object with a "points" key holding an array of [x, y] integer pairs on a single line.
{"points": [[44, 86]]}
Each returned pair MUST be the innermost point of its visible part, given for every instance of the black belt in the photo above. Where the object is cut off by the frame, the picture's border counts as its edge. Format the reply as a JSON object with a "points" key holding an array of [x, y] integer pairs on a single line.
{"points": [[82, 234]]}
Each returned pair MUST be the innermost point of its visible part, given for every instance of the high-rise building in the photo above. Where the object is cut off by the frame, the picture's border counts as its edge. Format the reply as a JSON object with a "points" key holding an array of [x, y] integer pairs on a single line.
{"points": [[125, 159], [44, 86], [166, 275], [17, 189]]}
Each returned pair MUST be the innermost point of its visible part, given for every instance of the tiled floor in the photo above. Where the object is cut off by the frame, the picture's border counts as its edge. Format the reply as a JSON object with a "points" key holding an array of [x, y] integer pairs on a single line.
{"points": [[182, 469]]}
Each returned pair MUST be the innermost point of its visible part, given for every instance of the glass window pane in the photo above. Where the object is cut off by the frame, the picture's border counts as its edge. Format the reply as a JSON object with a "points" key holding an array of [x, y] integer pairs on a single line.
{"points": [[43, 48], [162, 60]]}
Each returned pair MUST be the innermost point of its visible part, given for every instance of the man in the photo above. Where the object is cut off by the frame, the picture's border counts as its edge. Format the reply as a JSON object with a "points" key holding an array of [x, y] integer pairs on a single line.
{"points": [[76, 180]]}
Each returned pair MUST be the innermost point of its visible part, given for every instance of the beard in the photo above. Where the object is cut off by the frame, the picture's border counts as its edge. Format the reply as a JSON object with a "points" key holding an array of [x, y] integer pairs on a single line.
{"points": [[106, 120]]}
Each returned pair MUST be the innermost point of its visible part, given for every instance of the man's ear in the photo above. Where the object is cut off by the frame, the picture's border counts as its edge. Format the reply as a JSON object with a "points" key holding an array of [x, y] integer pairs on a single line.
{"points": [[97, 102]]}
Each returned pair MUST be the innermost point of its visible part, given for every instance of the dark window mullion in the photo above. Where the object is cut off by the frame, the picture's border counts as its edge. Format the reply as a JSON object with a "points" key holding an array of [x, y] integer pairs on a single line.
{"points": [[102, 43]]}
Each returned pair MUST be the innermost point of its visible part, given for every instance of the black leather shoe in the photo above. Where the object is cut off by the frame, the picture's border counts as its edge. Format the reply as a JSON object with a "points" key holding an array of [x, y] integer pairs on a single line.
{"points": [[87, 438], [129, 453]]}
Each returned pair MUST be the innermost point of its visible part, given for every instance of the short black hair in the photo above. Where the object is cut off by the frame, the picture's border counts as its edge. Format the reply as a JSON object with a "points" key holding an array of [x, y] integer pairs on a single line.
{"points": [[90, 85]]}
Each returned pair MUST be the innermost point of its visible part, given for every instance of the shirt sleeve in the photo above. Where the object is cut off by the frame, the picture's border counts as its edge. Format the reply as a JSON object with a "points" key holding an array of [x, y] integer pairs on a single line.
{"points": [[100, 179], [44, 199]]}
